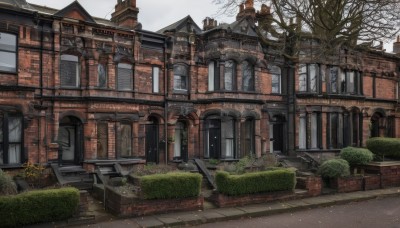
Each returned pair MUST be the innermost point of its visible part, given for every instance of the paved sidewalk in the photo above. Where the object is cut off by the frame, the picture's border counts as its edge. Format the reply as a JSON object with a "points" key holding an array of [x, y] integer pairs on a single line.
{"points": [[256, 210]]}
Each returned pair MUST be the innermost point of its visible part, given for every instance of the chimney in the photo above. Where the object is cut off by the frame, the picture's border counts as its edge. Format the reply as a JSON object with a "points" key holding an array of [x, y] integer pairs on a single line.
{"points": [[246, 9], [396, 46], [209, 23], [125, 14]]}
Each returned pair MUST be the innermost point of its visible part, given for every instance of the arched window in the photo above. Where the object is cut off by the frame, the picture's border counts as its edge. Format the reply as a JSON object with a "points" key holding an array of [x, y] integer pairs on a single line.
{"points": [[69, 71], [230, 75], [247, 76], [180, 77], [124, 76], [213, 76]]}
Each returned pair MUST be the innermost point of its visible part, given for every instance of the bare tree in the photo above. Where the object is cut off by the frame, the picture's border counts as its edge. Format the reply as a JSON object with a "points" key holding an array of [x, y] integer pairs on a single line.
{"points": [[330, 23]]}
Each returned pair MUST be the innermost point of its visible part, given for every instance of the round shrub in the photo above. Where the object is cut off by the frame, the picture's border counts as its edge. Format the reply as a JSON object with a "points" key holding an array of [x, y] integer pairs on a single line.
{"points": [[356, 156], [334, 168], [384, 146]]}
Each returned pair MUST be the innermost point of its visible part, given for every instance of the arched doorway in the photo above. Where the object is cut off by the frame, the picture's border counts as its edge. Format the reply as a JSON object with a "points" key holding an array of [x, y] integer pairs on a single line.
{"points": [[377, 125], [181, 141], [277, 129], [70, 138], [152, 135]]}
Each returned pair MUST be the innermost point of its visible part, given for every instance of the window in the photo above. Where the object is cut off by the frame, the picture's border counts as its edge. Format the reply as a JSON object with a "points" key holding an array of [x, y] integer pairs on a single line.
{"points": [[102, 140], [69, 67], [10, 139], [345, 81], [356, 128], [124, 134], [303, 131], [333, 79], [308, 78], [156, 79], [220, 137], [229, 75], [276, 79], [102, 75], [248, 137], [310, 131], [213, 76], [248, 76], [180, 77], [124, 77], [8, 52], [335, 130]]}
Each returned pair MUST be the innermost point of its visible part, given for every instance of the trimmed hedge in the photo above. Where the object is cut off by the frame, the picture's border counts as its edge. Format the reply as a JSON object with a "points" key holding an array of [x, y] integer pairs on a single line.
{"points": [[356, 156], [334, 168], [257, 182], [7, 185], [38, 206], [171, 185], [384, 146]]}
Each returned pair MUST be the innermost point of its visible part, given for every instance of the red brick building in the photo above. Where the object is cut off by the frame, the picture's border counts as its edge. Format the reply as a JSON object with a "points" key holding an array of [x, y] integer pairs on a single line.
{"points": [[107, 90]]}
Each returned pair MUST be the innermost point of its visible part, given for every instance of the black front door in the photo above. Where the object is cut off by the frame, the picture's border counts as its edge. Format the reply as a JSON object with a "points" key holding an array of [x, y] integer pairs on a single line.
{"points": [[278, 137], [152, 142], [214, 139]]}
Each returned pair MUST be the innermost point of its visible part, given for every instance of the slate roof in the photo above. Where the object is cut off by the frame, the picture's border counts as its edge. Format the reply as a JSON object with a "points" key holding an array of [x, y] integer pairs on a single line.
{"points": [[181, 26]]}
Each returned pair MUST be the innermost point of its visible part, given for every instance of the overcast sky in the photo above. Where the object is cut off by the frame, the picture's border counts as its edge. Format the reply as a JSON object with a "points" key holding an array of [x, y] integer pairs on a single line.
{"points": [[153, 14]]}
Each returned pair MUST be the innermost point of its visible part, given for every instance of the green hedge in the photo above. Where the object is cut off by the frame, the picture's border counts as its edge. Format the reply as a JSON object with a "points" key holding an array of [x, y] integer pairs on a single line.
{"points": [[38, 206], [356, 156], [257, 182], [171, 185], [334, 168], [384, 146]]}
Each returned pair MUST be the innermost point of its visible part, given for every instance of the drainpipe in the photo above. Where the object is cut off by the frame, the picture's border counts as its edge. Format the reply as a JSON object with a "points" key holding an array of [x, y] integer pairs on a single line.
{"points": [[165, 102]]}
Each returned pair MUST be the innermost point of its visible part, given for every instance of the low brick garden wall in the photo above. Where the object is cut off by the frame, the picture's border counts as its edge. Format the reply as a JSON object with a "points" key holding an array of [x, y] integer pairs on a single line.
{"points": [[222, 200], [126, 206], [347, 184], [312, 184]]}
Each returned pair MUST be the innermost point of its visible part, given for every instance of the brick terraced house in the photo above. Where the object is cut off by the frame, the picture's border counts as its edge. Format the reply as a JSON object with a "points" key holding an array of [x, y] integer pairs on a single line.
{"points": [[79, 90]]}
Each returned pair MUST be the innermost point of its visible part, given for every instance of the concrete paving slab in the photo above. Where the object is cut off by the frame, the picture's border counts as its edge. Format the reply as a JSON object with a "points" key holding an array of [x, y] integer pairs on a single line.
{"points": [[210, 216], [297, 204], [148, 221], [188, 217], [230, 212], [169, 219]]}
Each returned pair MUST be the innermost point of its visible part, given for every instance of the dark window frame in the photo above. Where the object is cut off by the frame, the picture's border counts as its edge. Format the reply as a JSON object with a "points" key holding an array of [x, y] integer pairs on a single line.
{"points": [[183, 76], [215, 80], [106, 138], [120, 66], [70, 59], [308, 78], [5, 140], [251, 84], [233, 69], [278, 74], [105, 70], [15, 71], [155, 76]]}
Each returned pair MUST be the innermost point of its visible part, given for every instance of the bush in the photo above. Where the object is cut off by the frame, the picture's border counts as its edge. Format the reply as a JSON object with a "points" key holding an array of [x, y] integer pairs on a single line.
{"points": [[384, 146], [7, 185], [356, 156], [171, 185], [38, 206], [334, 168], [257, 182]]}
